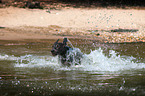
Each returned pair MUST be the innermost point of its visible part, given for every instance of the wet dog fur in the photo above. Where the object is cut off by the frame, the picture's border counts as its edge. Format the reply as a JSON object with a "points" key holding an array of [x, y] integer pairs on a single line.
{"points": [[65, 53]]}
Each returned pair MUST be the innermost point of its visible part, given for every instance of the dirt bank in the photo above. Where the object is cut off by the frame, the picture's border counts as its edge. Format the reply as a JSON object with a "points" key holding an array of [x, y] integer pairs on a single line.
{"points": [[106, 25]]}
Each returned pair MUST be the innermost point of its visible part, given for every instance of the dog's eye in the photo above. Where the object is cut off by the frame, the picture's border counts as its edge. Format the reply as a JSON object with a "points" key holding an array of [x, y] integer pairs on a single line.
{"points": [[57, 46]]}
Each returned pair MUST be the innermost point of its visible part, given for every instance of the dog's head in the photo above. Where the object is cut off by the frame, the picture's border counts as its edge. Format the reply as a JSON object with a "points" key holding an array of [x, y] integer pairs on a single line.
{"points": [[59, 48]]}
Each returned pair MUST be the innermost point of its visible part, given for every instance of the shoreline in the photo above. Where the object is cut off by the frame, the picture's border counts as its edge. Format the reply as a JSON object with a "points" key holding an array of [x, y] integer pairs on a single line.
{"points": [[100, 25]]}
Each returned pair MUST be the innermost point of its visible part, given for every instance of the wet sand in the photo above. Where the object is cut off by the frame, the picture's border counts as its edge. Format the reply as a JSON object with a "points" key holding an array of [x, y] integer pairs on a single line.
{"points": [[103, 25]]}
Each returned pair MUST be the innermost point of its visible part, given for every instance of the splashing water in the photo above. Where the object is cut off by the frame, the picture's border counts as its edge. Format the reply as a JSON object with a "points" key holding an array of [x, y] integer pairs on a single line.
{"points": [[99, 62], [70, 43], [95, 61]]}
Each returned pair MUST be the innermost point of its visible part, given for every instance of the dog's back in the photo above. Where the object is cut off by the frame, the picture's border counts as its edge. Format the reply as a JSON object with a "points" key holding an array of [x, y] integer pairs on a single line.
{"points": [[74, 56]]}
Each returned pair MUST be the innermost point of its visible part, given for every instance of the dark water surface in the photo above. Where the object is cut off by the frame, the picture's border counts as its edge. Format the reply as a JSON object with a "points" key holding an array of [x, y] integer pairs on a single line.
{"points": [[27, 68]]}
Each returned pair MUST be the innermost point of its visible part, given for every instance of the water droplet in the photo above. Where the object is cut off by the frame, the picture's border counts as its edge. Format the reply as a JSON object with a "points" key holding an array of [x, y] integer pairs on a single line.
{"points": [[133, 89], [19, 82]]}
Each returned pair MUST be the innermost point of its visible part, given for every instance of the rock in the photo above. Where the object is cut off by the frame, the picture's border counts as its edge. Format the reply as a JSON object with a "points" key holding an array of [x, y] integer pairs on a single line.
{"points": [[97, 34], [33, 5]]}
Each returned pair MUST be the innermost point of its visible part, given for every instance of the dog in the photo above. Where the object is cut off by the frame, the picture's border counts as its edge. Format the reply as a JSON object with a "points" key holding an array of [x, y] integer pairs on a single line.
{"points": [[67, 56]]}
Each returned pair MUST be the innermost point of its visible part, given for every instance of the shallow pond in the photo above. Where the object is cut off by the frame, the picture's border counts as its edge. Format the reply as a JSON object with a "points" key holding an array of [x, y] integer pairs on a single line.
{"points": [[27, 68]]}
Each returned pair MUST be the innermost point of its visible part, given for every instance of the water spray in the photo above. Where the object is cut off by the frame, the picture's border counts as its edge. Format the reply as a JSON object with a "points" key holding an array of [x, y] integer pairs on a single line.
{"points": [[70, 43]]}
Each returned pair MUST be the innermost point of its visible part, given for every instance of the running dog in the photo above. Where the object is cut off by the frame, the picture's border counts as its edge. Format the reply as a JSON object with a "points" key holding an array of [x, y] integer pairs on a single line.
{"points": [[67, 56]]}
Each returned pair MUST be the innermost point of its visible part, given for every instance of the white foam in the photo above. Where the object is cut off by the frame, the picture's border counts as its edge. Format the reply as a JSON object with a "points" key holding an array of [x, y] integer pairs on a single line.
{"points": [[7, 57], [37, 61], [95, 61]]}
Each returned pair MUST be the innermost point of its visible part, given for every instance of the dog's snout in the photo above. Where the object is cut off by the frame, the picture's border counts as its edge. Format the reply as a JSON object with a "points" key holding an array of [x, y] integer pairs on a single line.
{"points": [[52, 50], [54, 53]]}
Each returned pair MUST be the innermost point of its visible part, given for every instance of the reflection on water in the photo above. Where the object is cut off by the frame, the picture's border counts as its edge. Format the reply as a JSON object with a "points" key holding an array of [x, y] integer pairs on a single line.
{"points": [[27, 68]]}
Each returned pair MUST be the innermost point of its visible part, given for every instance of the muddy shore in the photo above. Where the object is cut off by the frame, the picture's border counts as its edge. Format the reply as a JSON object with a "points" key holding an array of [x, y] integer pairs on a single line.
{"points": [[101, 25]]}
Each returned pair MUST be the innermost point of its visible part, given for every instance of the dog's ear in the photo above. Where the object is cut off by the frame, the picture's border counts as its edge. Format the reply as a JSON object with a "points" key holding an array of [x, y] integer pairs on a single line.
{"points": [[64, 41], [56, 41]]}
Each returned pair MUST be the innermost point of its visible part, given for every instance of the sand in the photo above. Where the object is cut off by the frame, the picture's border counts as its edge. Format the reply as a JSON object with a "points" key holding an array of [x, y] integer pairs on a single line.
{"points": [[19, 23]]}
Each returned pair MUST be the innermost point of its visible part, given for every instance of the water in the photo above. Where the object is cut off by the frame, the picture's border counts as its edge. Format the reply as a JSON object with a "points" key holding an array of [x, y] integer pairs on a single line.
{"points": [[28, 68]]}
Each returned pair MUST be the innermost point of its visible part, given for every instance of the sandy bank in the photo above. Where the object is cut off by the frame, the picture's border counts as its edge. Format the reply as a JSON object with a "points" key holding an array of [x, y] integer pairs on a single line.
{"points": [[102, 23]]}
